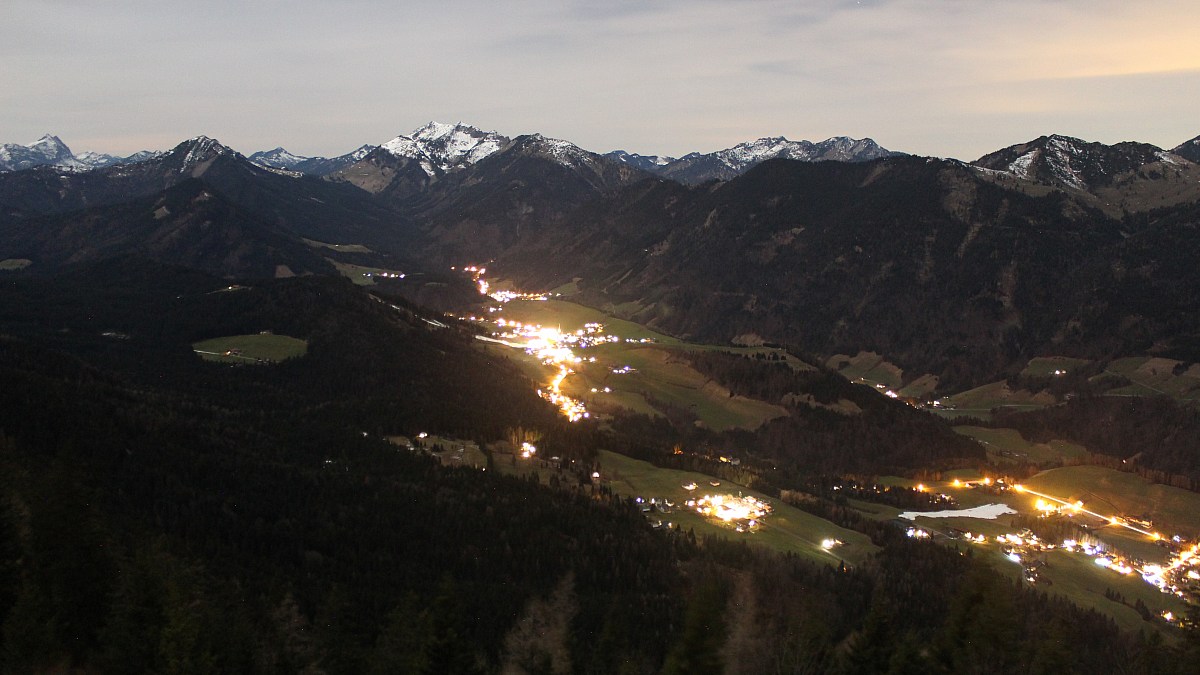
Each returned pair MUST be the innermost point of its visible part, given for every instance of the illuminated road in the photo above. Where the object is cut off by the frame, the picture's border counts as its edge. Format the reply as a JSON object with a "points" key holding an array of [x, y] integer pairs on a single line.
{"points": [[1077, 507]]}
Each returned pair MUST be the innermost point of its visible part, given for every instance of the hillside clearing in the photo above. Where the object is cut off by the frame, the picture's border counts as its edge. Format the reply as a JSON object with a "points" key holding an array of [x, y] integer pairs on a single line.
{"points": [[786, 529], [256, 348]]}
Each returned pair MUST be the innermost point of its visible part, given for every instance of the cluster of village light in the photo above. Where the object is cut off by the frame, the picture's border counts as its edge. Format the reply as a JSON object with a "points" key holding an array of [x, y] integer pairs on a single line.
{"points": [[743, 512], [484, 287], [551, 346], [1180, 576], [555, 348]]}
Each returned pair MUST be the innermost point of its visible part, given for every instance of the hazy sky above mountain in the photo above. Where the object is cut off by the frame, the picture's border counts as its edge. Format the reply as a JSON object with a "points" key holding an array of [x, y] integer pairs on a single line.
{"points": [[937, 77]]}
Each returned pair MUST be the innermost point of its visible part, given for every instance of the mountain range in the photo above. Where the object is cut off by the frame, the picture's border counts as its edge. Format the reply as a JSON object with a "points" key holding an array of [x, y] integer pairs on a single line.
{"points": [[440, 147], [695, 167], [962, 270], [51, 151]]}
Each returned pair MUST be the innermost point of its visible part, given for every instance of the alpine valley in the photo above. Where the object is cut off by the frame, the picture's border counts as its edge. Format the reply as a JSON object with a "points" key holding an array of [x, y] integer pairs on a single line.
{"points": [[465, 402]]}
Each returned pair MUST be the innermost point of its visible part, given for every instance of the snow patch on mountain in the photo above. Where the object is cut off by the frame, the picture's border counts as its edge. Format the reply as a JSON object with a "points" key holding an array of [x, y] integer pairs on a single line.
{"points": [[644, 162], [1062, 150], [1020, 166], [1169, 158], [361, 152], [563, 152]]}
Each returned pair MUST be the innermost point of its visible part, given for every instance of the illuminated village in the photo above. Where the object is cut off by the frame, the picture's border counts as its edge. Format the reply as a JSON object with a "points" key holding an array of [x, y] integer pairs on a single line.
{"points": [[551, 346], [743, 513], [1178, 576]]}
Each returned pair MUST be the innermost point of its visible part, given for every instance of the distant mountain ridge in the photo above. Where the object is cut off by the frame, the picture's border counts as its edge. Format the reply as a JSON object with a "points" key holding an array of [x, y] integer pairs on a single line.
{"points": [[436, 148], [49, 150], [410, 164], [651, 163], [313, 166], [695, 168]]}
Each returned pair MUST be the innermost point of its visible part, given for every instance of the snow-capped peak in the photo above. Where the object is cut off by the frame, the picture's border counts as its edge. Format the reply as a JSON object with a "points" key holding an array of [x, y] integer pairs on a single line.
{"points": [[280, 158], [86, 161], [742, 155], [51, 147], [564, 152], [277, 158], [840, 148], [444, 147], [434, 130], [201, 149], [46, 150]]}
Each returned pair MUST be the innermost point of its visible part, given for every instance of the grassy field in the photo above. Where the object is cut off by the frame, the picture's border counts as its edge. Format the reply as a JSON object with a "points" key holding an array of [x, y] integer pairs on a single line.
{"points": [[661, 376], [980, 401], [1008, 445], [11, 264], [1156, 376], [251, 348], [343, 248], [570, 288], [786, 529], [1078, 579], [359, 274], [874, 370], [867, 367], [919, 388], [568, 317], [1044, 366], [1109, 491]]}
